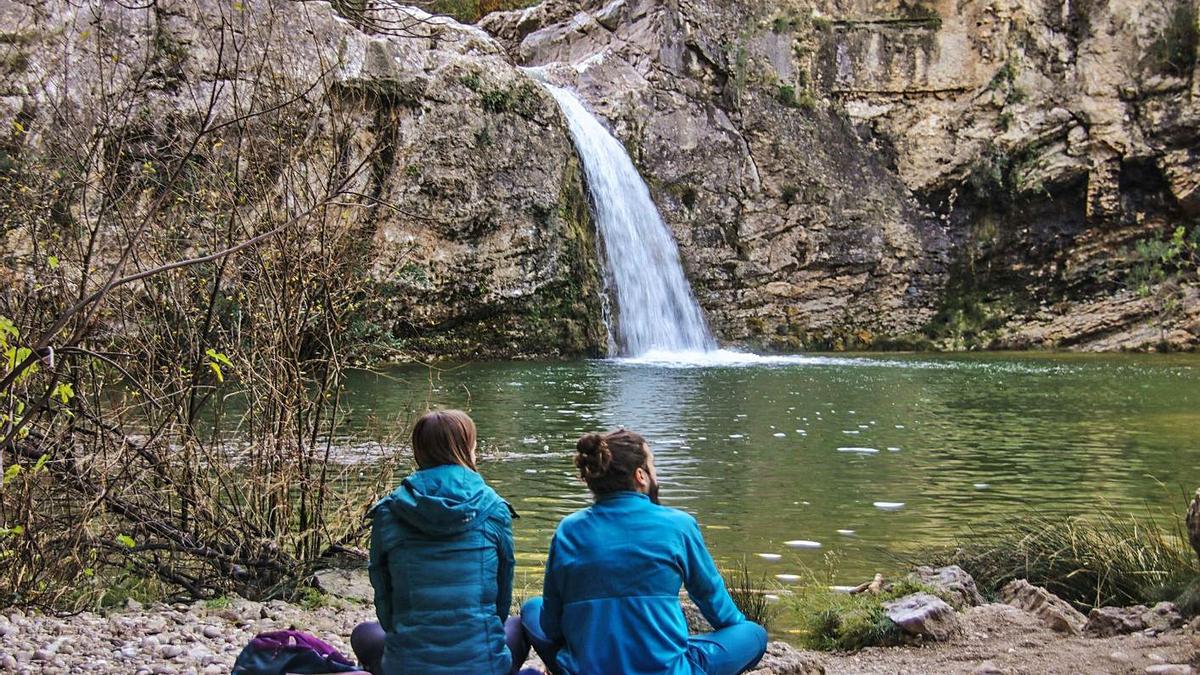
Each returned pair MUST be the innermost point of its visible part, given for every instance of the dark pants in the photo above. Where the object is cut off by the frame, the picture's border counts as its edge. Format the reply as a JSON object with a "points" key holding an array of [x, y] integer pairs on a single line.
{"points": [[368, 638], [728, 651]]}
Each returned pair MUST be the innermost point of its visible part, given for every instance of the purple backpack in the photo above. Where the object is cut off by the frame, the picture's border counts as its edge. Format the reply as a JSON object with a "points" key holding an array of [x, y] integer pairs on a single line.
{"points": [[290, 651]]}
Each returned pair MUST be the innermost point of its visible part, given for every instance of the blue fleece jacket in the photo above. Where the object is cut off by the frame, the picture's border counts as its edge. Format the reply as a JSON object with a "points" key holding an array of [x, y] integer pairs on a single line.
{"points": [[442, 568], [612, 588]]}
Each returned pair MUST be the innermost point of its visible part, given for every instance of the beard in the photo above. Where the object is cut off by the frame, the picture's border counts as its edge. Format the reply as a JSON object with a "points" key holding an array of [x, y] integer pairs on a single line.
{"points": [[652, 492]]}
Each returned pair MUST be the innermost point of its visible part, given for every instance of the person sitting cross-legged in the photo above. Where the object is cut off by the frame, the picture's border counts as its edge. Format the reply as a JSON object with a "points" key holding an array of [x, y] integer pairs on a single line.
{"points": [[610, 600], [442, 565]]}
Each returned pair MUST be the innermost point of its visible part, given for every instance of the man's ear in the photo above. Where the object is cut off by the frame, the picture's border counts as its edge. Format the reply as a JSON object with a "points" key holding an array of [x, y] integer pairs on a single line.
{"points": [[641, 477]]}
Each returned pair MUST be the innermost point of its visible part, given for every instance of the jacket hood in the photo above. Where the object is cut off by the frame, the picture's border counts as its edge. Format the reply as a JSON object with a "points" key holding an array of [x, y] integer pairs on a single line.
{"points": [[442, 501]]}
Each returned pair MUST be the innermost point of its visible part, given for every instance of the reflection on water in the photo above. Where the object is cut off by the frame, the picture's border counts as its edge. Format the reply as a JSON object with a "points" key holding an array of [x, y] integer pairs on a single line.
{"points": [[929, 446]]}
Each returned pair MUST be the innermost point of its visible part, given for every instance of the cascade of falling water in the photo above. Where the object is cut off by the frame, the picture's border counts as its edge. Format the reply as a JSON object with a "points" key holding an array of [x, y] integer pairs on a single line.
{"points": [[654, 309]]}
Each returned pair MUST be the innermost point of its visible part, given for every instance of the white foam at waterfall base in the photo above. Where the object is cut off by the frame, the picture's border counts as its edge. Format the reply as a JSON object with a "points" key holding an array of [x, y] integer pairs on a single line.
{"points": [[654, 306]]}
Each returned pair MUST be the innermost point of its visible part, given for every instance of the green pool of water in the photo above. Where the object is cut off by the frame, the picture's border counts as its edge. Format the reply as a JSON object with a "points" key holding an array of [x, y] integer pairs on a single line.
{"points": [[763, 454]]}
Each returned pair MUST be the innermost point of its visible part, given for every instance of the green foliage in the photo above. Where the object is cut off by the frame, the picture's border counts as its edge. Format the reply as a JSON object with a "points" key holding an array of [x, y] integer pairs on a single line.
{"points": [[1173, 52], [471, 81], [969, 317], [803, 99], [217, 360], [218, 603], [1108, 558], [789, 194], [1157, 260], [749, 593], [312, 598], [522, 98], [919, 11], [470, 11], [833, 621]]}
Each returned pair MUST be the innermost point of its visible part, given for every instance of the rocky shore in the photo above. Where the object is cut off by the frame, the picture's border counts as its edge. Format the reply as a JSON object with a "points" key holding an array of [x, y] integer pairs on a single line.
{"points": [[1030, 632]]}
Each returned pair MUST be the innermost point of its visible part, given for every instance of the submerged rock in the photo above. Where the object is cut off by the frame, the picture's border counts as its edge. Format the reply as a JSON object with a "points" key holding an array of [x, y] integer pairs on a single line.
{"points": [[923, 615], [952, 582], [1054, 612]]}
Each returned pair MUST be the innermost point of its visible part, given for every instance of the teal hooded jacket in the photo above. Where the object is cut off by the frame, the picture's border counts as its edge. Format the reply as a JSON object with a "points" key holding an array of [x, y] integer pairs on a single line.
{"points": [[442, 569]]}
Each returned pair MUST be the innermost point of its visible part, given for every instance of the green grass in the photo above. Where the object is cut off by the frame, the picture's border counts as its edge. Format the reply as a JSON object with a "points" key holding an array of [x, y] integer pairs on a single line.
{"points": [[749, 593], [832, 621], [1107, 558], [217, 603]]}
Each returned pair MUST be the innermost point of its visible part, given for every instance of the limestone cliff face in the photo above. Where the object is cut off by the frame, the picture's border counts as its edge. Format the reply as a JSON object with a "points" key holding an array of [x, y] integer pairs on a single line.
{"points": [[793, 231], [838, 173], [480, 239], [842, 172]]}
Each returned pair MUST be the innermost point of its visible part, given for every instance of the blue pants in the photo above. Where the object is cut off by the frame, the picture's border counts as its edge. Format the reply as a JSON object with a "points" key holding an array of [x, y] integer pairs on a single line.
{"points": [[728, 651]]}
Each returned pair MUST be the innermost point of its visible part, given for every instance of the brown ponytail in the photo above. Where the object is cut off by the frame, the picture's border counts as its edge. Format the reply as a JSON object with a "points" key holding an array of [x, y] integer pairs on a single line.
{"points": [[608, 462]]}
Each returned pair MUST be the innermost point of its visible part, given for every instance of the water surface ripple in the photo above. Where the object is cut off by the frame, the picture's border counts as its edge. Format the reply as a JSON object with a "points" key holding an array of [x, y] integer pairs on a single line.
{"points": [[751, 447]]}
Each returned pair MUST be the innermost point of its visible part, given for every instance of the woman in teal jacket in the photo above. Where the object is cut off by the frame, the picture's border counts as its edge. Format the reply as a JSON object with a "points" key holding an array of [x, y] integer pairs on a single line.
{"points": [[442, 565], [611, 595]]}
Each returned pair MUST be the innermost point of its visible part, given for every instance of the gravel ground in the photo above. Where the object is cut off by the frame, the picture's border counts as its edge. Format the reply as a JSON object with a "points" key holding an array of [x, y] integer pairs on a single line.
{"points": [[202, 638], [1002, 639]]}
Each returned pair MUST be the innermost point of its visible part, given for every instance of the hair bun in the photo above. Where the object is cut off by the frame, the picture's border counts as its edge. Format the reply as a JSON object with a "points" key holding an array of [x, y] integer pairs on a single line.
{"points": [[593, 456]]}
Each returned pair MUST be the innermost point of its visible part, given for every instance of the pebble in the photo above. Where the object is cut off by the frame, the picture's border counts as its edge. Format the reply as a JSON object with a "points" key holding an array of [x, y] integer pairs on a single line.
{"points": [[1171, 669], [211, 632], [170, 651]]}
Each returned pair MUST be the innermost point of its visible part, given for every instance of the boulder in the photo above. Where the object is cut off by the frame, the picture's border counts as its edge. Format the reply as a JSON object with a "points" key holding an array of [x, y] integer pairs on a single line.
{"points": [[923, 615], [952, 582], [1054, 612], [1110, 621], [349, 584], [1163, 616], [784, 659]]}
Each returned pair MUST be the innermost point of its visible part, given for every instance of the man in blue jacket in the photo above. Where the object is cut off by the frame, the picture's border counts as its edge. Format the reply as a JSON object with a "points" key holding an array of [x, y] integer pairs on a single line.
{"points": [[611, 596]]}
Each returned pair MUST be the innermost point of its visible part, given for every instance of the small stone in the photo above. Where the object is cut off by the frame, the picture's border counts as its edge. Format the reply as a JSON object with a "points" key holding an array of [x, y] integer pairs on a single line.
{"points": [[133, 605], [171, 651], [8, 662], [1119, 657], [1170, 669], [923, 615], [211, 632], [987, 668], [43, 655]]}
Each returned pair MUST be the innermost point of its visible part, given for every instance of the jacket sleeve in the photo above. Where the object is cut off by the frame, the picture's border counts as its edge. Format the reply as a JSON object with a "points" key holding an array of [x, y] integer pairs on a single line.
{"points": [[704, 584], [381, 578], [552, 598], [502, 529]]}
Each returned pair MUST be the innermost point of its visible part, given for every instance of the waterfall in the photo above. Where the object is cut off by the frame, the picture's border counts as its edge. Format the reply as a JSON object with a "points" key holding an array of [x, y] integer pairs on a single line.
{"points": [[652, 306]]}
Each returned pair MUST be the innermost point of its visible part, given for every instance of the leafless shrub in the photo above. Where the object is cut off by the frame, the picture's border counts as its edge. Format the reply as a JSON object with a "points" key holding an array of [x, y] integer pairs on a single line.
{"points": [[176, 278]]}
